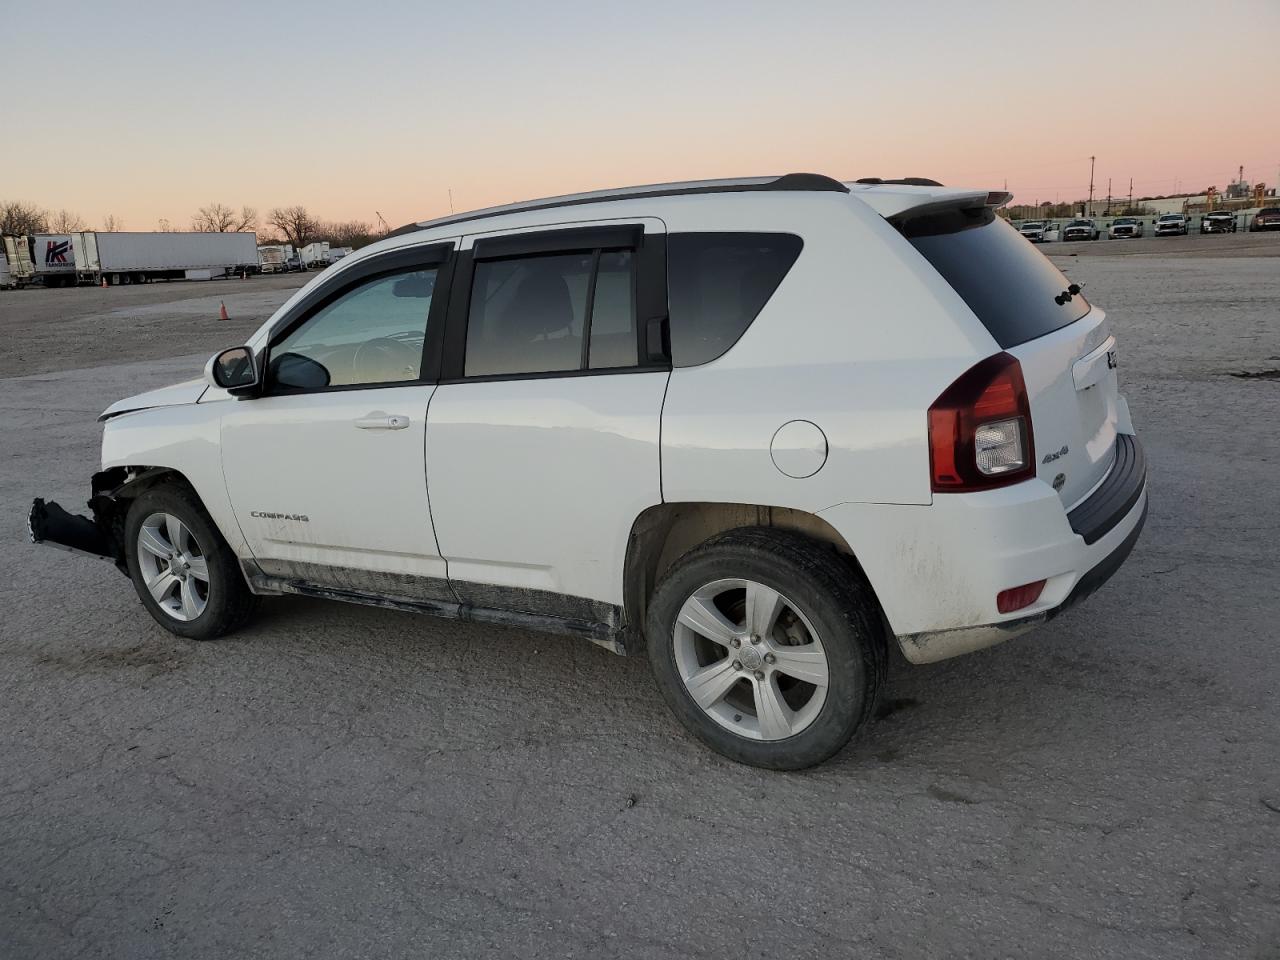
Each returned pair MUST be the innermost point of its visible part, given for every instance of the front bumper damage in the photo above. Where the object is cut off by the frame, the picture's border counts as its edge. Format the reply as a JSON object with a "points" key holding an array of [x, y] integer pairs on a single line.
{"points": [[101, 535]]}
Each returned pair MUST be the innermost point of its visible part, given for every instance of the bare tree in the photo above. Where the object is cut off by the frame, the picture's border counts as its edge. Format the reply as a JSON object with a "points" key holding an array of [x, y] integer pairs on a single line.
{"points": [[64, 221], [112, 224], [164, 226], [219, 218], [17, 219], [351, 233], [295, 223]]}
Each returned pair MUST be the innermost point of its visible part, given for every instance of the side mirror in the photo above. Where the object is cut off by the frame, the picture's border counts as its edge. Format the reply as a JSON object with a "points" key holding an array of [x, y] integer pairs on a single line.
{"points": [[233, 370]]}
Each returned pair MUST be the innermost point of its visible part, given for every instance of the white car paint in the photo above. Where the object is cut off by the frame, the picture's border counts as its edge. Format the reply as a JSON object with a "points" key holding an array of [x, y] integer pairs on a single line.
{"points": [[535, 483]]}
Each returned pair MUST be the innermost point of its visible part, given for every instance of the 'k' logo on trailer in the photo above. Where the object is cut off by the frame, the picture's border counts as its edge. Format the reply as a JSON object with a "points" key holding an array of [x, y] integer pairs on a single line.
{"points": [[55, 251]]}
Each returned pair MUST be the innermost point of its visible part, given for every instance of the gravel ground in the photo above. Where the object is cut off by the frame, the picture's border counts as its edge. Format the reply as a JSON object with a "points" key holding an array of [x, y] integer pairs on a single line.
{"points": [[342, 781]]}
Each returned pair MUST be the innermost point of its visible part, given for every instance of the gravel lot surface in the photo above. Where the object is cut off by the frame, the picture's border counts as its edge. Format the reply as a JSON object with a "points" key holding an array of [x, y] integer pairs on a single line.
{"points": [[338, 781]]}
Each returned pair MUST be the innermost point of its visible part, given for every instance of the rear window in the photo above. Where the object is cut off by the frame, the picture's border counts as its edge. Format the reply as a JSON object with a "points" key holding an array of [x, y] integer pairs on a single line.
{"points": [[1005, 281], [718, 282]]}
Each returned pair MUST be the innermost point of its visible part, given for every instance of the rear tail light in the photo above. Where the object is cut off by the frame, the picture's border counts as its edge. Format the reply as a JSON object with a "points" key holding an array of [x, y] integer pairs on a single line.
{"points": [[1015, 598], [980, 429]]}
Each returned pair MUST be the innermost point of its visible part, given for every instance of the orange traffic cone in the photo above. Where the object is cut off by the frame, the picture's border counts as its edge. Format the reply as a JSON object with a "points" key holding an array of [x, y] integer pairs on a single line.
{"points": [[222, 311]]}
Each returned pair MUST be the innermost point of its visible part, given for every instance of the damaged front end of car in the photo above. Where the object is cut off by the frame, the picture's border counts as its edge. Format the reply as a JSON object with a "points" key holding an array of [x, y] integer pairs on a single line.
{"points": [[102, 534]]}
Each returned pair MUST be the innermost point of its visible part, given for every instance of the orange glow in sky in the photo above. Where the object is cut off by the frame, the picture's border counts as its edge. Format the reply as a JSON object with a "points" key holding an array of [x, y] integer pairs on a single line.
{"points": [[150, 110]]}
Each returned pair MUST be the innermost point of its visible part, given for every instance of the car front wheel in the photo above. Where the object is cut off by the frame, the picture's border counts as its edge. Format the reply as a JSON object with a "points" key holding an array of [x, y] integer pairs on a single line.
{"points": [[183, 571], [767, 647]]}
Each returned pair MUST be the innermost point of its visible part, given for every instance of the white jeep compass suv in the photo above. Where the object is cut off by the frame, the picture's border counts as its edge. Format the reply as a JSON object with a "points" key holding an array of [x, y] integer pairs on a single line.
{"points": [[759, 429]]}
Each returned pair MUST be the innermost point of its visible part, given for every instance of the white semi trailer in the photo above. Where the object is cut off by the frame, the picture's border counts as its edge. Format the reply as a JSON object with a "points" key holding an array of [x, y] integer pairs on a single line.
{"points": [[17, 258], [51, 259], [315, 254], [273, 259], [142, 257]]}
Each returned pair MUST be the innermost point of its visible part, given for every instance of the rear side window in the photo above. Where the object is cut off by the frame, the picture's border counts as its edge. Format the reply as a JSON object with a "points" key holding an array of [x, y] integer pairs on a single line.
{"points": [[716, 285], [528, 314], [1006, 282]]}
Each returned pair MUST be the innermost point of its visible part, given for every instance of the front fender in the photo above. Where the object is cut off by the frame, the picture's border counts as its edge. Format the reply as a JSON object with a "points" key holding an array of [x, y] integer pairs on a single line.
{"points": [[184, 439]]}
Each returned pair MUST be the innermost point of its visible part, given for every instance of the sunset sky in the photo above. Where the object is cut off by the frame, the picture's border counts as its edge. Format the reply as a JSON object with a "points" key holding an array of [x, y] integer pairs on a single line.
{"points": [[148, 111]]}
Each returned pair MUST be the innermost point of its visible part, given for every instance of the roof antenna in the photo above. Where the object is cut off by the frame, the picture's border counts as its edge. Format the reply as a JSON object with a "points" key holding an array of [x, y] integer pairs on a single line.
{"points": [[451, 199]]}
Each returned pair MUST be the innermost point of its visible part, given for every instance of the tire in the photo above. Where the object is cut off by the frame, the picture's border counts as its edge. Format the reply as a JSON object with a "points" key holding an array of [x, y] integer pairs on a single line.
{"points": [[820, 598], [184, 603]]}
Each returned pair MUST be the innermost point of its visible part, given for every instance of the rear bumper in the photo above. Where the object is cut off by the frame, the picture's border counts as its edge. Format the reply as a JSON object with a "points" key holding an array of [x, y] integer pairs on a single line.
{"points": [[937, 569]]}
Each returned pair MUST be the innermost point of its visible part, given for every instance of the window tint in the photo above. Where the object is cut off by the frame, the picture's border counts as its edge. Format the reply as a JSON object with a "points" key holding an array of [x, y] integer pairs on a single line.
{"points": [[529, 314], [371, 334], [1007, 282], [613, 312], [716, 285]]}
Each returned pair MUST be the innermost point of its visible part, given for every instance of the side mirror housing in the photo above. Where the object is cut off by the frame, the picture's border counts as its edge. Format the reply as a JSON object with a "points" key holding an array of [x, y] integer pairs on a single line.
{"points": [[235, 371]]}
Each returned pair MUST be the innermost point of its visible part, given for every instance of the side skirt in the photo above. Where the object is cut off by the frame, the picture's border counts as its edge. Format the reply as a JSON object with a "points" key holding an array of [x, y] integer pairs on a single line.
{"points": [[607, 635]]}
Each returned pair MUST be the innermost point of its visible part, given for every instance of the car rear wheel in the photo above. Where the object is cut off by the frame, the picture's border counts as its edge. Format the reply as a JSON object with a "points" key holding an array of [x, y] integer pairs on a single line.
{"points": [[183, 571], [767, 647]]}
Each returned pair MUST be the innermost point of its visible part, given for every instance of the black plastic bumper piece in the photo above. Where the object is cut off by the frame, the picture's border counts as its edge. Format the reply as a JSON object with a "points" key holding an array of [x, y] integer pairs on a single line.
{"points": [[1112, 501], [50, 524], [1100, 574]]}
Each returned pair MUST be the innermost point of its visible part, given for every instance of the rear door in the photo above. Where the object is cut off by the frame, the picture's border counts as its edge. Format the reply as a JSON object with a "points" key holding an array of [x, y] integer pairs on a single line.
{"points": [[542, 438], [1063, 344]]}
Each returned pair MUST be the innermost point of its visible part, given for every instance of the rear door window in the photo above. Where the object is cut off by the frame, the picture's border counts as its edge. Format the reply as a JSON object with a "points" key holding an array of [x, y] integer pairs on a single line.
{"points": [[716, 285], [528, 314], [1006, 282]]}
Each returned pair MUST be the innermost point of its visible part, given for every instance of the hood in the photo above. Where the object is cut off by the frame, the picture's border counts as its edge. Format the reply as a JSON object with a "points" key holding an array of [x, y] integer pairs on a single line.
{"points": [[189, 391]]}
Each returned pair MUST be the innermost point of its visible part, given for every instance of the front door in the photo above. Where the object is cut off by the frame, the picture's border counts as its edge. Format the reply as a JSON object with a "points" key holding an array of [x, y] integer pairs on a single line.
{"points": [[543, 436], [326, 470]]}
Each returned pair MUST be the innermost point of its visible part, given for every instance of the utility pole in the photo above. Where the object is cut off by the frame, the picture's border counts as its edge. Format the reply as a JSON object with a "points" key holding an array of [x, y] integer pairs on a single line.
{"points": [[1131, 194], [451, 199], [1108, 213], [1090, 207]]}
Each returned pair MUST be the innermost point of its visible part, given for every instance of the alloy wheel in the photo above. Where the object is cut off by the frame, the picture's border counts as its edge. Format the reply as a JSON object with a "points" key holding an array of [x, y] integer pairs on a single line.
{"points": [[173, 566], [750, 659]]}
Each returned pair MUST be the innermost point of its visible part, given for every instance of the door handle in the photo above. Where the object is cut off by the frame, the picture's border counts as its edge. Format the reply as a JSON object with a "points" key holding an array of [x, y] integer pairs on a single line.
{"points": [[382, 421]]}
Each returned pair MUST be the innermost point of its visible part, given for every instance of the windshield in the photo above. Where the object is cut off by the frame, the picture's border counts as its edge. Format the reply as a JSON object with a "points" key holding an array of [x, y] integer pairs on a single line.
{"points": [[1009, 285], [1079, 223], [1032, 226], [1124, 220], [1172, 216]]}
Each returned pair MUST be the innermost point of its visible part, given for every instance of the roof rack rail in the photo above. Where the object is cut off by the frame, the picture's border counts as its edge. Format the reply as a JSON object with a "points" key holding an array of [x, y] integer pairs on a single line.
{"points": [[792, 181], [906, 181]]}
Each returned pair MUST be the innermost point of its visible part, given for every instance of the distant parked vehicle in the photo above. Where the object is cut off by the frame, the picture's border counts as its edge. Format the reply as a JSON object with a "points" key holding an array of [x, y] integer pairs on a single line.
{"points": [[294, 264], [1125, 227], [271, 259], [122, 258], [1220, 221], [1268, 218], [16, 254], [52, 259], [1033, 230], [1170, 224], [315, 254], [337, 253], [1081, 230]]}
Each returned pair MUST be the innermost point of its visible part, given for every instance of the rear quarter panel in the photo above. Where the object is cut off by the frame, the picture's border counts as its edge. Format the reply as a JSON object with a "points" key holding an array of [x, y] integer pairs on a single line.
{"points": [[859, 338]]}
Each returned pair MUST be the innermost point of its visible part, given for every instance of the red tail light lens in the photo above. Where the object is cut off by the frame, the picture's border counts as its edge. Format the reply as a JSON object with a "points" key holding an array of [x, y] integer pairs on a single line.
{"points": [[980, 429]]}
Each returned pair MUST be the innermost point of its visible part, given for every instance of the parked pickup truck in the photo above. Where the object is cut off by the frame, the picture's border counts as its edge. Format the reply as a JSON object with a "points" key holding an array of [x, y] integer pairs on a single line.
{"points": [[1125, 227], [1080, 230], [1268, 218], [1172, 223], [1033, 230], [1220, 221]]}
